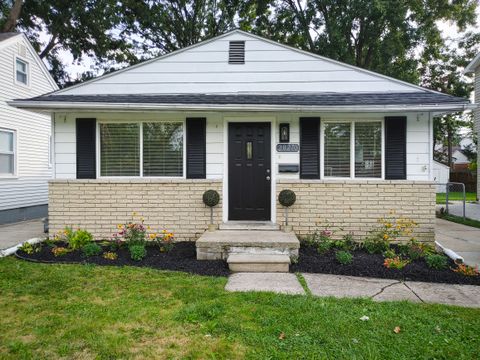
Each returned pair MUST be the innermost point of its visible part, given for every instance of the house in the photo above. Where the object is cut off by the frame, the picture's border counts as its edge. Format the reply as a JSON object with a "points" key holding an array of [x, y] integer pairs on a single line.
{"points": [[474, 67], [441, 175], [25, 137], [247, 117]]}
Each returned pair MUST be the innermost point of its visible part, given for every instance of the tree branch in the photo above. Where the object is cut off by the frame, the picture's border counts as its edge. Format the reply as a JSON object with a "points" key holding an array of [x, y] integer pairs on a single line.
{"points": [[13, 16], [51, 44]]}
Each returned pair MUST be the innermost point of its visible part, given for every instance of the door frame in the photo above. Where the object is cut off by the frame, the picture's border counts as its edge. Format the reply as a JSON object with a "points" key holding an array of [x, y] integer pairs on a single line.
{"points": [[273, 165]]}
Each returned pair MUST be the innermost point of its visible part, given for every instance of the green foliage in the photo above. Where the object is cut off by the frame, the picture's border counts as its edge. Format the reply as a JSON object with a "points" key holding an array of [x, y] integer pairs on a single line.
{"points": [[415, 250], [137, 252], [287, 198], [30, 248], [396, 263], [131, 233], [211, 198], [79, 238], [376, 245], [91, 249], [436, 261], [60, 251], [346, 243], [344, 257]]}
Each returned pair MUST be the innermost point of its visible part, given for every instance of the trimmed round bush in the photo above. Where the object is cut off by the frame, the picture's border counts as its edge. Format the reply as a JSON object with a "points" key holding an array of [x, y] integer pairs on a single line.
{"points": [[211, 198], [91, 249], [287, 198], [137, 252]]}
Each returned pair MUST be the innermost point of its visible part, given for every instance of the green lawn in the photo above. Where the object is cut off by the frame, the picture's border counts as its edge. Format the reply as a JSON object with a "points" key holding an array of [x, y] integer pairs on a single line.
{"points": [[460, 220], [87, 312], [441, 197]]}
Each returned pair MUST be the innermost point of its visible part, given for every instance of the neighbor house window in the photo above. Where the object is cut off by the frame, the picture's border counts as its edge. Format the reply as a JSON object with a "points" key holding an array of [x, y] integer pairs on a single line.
{"points": [[352, 149], [141, 149], [21, 70], [7, 152]]}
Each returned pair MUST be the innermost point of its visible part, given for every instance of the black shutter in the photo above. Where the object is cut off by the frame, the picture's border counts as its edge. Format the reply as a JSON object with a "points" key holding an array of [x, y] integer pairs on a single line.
{"points": [[196, 148], [395, 148], [86, 156], [309, 148]]}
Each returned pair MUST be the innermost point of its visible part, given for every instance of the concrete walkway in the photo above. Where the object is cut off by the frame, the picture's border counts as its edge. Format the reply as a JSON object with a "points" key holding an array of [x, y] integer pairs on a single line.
{"points": [[464, 240], [324, 285], [14, 234], [472, 210]]}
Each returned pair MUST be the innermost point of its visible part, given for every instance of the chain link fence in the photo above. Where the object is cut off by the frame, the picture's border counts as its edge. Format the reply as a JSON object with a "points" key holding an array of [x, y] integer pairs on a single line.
{"points": [[452, 197]]}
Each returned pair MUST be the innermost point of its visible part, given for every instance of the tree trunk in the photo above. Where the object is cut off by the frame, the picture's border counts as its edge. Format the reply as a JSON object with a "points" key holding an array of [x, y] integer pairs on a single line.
{"points": [[449, 143], [13, 16]]}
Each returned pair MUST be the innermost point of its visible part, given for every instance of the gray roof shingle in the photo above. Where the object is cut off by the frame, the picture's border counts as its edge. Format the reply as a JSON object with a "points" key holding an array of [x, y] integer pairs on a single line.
{"points": [[307, 99]]}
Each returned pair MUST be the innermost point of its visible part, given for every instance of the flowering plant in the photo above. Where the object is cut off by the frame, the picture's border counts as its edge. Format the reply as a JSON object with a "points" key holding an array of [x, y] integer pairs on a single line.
{"points": [[132, 233], [467, 270], [164, 240], [395, 263]]}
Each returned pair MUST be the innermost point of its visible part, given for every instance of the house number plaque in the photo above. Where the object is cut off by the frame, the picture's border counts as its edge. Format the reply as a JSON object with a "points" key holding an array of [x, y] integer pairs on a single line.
{"points": [[288, 147]]}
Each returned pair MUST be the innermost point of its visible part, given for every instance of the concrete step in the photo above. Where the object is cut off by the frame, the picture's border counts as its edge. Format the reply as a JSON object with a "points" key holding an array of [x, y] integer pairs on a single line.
{"points": [[258, 263], [249, 225], [218, 245]]}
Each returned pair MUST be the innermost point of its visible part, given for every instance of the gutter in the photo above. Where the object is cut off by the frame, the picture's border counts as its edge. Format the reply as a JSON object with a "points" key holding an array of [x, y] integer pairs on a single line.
{"points": [[52, 106]]}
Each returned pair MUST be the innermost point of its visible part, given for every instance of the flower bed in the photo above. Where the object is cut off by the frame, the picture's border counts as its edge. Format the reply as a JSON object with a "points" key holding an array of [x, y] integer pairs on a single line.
{"points": [[372, 265], [182, 257]]}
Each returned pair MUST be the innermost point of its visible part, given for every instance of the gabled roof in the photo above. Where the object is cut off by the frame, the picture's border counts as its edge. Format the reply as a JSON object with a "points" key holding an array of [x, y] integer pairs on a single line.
{"points": [[474, 64], [8, 35]]}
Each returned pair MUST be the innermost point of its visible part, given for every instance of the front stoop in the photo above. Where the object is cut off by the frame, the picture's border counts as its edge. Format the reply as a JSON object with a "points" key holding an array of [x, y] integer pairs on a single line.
{"points": [[258, 263], [253, 246]]}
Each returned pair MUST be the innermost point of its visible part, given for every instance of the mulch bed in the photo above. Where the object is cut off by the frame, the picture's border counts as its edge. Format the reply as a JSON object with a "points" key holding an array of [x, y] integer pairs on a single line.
{"points": [[181, 258], [371, 265]]}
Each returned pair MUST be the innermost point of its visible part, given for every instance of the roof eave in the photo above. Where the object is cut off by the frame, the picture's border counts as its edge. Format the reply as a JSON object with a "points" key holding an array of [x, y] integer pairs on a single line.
{"points": [[62, 106], [473, 65]]}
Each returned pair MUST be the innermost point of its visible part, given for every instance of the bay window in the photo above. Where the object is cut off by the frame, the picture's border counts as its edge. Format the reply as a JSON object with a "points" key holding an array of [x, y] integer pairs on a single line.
{"points": [[141, 149], [352, 149]]}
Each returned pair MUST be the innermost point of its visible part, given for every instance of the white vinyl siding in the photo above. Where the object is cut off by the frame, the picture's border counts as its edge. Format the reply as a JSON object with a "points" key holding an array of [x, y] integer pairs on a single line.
{"points": [[29, 185], [268, 68]]}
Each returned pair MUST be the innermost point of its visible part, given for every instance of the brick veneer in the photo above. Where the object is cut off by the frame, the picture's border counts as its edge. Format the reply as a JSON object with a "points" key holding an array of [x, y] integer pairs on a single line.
{"points": [[355, 206], [99, 205]]}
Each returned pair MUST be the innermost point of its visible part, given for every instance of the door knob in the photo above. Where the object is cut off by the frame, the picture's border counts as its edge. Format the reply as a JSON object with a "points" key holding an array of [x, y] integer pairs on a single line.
{"points": [[268, 177]]}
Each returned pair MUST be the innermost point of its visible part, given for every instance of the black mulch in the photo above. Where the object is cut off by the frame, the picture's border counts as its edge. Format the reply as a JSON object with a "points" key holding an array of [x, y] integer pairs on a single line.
{"points": [[371, 265], [181, 258]]}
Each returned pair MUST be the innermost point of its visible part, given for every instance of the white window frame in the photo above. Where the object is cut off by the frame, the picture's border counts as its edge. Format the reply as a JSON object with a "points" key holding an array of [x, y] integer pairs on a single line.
{"points": [[14, 153], [352, 148], [140, 122], [27, 63]]}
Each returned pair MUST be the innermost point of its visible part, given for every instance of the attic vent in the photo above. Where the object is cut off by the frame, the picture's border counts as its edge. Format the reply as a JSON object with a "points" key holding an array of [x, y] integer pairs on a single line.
{"points": [[236, 52], [22, 50]]}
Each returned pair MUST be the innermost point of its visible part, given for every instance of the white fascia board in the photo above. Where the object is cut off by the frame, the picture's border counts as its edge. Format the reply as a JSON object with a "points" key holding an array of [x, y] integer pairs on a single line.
{"points": [[52, 106], [474, 64]]}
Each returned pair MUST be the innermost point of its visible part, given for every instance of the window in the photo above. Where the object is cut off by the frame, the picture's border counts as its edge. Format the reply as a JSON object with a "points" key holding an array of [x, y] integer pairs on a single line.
{"points": [[337, 150], [21, 70], [352, 149], [368, 150], [141, 149], [7, 152]]}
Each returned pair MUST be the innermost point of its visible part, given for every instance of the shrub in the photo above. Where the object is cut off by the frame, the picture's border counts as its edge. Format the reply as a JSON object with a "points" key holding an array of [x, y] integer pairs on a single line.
{"points": [[415, 250], [375, 246], [466, 270], [344, 257], [91, 249], [137, 252], [110, 255], [60, 251], [211, 198], [30, 248], [324, 247], [436, 261], [396, 263], [79, 239], [346, 243], [287, 198]]}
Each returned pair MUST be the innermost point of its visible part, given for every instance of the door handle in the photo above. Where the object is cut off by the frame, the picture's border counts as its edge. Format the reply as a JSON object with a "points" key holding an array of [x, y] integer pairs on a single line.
{"points": [[268, 177]]}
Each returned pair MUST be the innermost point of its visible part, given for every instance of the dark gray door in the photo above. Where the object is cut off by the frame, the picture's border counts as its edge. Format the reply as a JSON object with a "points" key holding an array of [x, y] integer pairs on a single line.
{"points": [[249, 172]]}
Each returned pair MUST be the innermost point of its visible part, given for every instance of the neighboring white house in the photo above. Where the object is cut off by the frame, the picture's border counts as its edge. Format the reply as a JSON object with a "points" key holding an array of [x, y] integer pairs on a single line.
{"points": [[474, 67], [247, 117], [441, 175], [25, 162]]}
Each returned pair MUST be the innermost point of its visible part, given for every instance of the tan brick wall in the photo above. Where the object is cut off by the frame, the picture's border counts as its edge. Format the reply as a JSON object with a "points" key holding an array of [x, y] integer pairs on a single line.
{"points": [[355, 206], [100, 205]]}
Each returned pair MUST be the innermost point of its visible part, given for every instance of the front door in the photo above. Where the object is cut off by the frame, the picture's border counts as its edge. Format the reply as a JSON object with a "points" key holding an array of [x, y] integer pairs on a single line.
{"points": [[249, 172]]}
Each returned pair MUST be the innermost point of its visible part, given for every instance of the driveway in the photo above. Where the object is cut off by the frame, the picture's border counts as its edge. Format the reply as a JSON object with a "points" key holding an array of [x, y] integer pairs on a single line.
{"points": [[472, 210], [464, 240], [13, 234]]}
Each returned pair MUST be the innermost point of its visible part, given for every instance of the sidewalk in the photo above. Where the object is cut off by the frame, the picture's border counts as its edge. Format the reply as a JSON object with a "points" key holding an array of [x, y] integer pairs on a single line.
{"points": [[464, 240], [14, 234], [324, 285]]}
